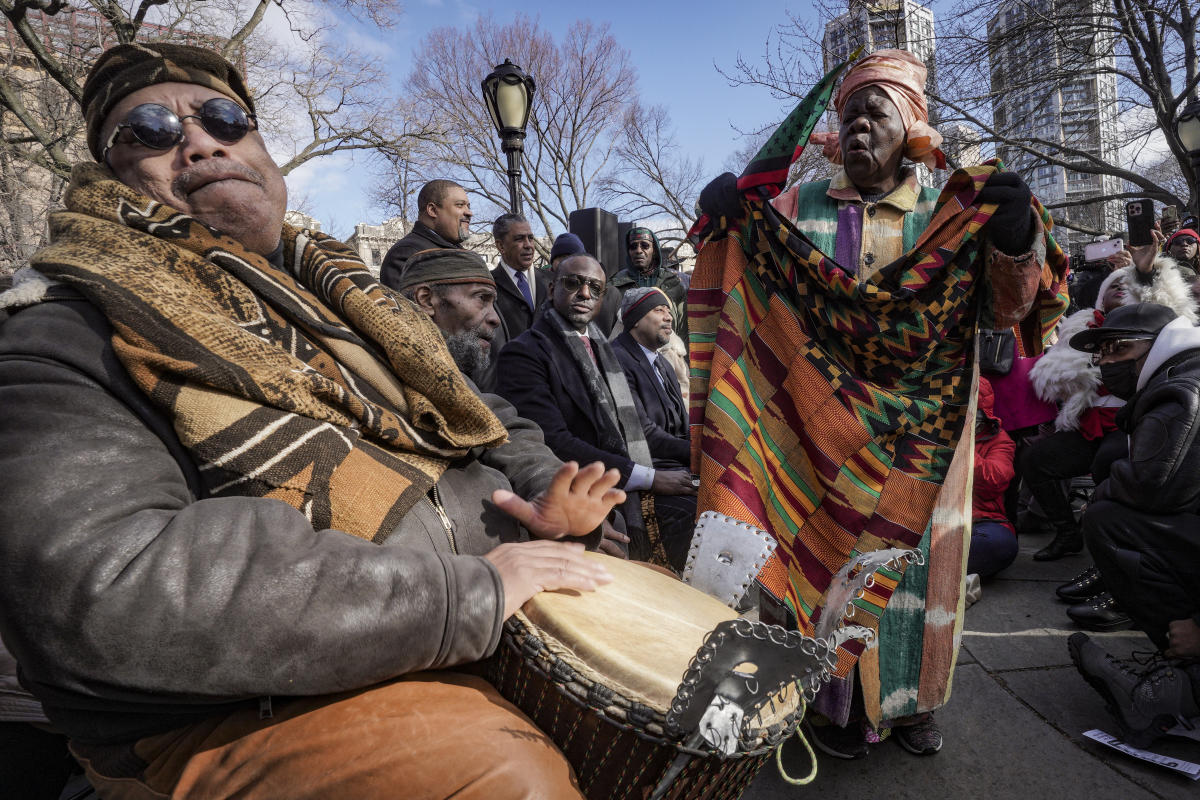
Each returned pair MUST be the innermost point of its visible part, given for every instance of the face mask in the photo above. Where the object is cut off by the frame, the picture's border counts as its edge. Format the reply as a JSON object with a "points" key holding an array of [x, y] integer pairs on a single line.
{"points": [[1120, 378]]}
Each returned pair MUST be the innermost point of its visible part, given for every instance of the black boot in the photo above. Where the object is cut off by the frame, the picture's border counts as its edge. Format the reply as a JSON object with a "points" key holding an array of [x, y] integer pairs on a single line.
{"points": [[1083, 586], [1068, 539], [1100, 613]]}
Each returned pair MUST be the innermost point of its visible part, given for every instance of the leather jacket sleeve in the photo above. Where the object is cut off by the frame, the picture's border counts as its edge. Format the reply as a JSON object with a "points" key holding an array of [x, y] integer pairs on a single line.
{"points": [[117, 586], [1162, 473], [525, 460]]}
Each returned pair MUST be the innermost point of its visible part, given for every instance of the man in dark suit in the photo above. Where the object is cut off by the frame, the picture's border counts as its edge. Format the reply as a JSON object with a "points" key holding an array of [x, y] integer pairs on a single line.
{"points": [[646, 317], [520, 288], [443, 220], [563, 374]]}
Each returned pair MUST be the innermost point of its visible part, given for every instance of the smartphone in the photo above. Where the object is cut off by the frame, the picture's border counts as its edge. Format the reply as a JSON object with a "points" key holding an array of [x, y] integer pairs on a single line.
{"points": [[1098, 251], [1139, 215]]}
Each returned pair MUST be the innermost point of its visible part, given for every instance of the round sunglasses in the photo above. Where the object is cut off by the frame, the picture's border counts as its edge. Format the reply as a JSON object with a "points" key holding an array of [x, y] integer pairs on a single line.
{"points": [[573, 283], [157, 126]]}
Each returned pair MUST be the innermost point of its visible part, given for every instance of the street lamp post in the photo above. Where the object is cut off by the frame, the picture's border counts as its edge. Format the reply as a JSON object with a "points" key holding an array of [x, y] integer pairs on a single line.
{"points": [[1187, 128], [508, 93]]}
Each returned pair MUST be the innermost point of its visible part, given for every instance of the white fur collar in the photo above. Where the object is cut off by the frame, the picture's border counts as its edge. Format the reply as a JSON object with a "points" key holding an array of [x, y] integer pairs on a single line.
{"points": [[29, 287]]}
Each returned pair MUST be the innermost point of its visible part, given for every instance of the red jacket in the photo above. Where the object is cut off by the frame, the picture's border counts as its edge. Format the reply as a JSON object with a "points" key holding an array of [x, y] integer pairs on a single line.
{"points": [[993, 460]]}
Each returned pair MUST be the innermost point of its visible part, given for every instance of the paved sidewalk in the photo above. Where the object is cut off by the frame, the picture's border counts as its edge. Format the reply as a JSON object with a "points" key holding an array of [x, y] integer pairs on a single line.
{"points": [[1014, 725]]}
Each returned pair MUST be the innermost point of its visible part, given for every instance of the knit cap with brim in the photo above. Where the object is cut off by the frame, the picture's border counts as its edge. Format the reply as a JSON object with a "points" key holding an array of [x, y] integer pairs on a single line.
{"points": [[444, 265], [122, 70], [637, 303]]}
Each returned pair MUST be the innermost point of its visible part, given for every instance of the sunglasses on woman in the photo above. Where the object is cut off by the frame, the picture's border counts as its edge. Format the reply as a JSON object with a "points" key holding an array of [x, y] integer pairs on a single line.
{"points": [[573, 283], [158, 128]]}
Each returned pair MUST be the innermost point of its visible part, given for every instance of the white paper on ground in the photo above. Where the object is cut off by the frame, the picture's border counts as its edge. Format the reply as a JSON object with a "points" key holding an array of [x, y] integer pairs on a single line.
{"points": [[1177, 764]]}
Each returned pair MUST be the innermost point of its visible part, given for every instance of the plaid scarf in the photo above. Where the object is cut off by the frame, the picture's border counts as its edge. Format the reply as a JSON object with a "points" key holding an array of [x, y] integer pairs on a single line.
{"points": [[311, 384]]}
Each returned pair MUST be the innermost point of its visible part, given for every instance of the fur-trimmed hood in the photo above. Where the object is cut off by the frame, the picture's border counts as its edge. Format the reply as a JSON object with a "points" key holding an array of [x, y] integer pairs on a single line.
{"points": [[1166, 287], [1067, 376]]}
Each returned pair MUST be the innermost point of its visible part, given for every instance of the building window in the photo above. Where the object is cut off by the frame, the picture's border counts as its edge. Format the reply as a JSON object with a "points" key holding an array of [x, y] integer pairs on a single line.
{"points": [[374, 257]]}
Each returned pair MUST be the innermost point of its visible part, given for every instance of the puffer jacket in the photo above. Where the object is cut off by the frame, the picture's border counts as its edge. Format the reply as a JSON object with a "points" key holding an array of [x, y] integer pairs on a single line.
{"points": [[1161, 474], [133, 604]]}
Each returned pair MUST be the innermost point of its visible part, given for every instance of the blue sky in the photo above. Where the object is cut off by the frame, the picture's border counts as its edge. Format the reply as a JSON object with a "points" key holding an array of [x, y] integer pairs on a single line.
{"points": [[674, 46]]}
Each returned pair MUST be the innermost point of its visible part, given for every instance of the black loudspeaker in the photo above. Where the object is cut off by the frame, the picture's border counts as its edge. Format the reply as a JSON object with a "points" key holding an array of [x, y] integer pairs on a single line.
{"points": [[598, 229]]}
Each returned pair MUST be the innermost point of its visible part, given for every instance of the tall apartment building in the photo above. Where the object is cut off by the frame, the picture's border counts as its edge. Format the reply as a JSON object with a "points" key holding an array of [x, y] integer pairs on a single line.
{"points": [[879, 25], [882, 25], [1078, 111]]}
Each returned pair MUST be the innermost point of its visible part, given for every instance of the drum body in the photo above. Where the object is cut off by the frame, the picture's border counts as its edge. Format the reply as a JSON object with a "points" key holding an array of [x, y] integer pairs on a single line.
{"points": [[597, 673]]}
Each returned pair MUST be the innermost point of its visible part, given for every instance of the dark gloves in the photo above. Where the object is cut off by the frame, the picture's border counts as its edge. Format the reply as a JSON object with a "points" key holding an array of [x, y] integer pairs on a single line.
{"points": [[1011, 227], [720, 198]]}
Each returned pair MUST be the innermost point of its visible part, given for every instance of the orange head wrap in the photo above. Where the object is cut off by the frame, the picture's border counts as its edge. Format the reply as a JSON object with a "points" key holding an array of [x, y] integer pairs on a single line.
{"points": [[901, 76]]}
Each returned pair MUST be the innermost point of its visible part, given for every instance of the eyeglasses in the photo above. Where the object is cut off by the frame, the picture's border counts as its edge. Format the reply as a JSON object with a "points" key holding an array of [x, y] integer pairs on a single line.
{"points": [[157, 126], [1116, 347], [573, 283]]}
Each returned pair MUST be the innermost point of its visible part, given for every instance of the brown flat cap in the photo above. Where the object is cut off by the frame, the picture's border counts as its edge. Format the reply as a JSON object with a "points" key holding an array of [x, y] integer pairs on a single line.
{"points": [[444, 265], [122, 70]]}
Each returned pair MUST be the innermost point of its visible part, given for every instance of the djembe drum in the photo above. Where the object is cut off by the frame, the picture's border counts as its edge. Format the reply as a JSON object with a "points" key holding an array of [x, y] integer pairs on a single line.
{"points": [[653, 689]]}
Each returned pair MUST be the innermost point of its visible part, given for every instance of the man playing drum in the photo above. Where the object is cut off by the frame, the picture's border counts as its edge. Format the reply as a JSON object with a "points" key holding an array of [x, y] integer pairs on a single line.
{"points": [[252, 513]]}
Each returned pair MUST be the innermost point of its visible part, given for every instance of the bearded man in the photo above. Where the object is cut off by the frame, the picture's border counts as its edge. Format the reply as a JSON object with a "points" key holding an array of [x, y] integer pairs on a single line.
{"points": [[832, 334], [443, 221], [244, 523], [457, 291]]}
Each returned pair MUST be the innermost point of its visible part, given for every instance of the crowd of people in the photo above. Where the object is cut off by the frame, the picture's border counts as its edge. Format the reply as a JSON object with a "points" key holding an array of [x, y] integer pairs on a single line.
{"points": [[224, 441]]}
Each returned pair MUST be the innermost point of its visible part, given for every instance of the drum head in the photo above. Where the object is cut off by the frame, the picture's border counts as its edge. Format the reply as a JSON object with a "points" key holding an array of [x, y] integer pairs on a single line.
{"points": [[636, 635]]}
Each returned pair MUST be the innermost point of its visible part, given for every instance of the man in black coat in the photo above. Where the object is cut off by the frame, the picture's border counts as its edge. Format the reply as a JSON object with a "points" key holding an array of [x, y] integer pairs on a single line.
{"points": [[443, 220], [1143, 524], [564, 375], [646, 317]]}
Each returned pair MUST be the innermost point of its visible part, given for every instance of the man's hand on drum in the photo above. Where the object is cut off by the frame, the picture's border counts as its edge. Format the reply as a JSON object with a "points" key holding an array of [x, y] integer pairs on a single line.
{"points": [[576, 503], [527, 568]]}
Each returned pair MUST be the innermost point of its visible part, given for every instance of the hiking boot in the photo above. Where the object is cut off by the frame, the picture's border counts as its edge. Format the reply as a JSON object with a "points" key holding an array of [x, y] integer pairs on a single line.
{"points": [[847, 743], [1083, 586], [1100, 613], [922, 739], [1146, 703]]}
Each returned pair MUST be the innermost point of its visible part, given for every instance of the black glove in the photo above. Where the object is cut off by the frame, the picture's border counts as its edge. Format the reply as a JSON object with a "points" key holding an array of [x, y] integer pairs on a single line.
{"points": [[720, 198], [1011, 227]]}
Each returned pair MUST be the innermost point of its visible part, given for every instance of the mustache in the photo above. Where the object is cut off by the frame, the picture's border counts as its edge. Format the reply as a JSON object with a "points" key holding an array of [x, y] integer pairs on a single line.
{"points": [[213, 169]]}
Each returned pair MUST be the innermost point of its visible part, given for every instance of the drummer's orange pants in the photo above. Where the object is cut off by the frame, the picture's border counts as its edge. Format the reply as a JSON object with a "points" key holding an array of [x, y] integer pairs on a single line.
{"points": [[429, 735]]}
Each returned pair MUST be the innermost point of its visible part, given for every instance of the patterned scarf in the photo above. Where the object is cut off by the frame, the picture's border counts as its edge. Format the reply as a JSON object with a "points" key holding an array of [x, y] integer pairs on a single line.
{"points": [[828, 410], [311, 384]]}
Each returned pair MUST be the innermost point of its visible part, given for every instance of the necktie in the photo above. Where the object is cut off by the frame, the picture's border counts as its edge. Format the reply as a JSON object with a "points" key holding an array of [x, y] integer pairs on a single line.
{"points": [[587, 345], [523, 285], [675, 401]]}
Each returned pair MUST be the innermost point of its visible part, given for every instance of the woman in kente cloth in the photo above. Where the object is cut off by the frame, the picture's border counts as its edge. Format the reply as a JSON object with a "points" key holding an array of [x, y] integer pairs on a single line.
{"points": [[833, 368]]}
